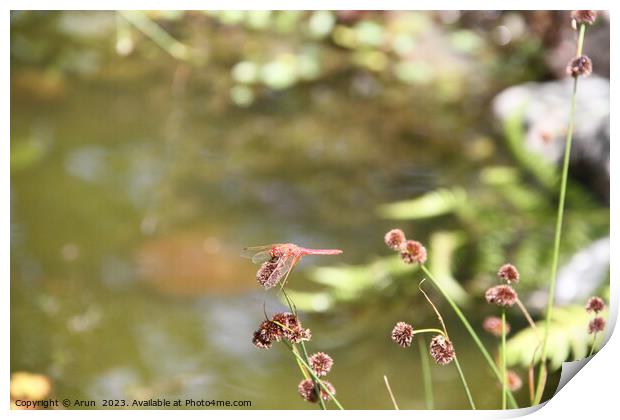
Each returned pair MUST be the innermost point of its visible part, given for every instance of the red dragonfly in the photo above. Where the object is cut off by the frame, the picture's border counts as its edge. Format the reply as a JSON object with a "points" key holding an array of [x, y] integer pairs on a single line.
{"points": [[278, 260]]}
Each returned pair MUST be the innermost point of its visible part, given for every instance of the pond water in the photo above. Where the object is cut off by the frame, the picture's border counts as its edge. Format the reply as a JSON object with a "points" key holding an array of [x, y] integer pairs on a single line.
{"points": [[133, 190]]}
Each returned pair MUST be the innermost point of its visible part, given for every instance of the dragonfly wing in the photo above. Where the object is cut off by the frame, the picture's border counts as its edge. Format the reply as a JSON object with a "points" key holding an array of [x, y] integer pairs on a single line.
{"points": [[258, 254], [285, 264], [261, 257]]}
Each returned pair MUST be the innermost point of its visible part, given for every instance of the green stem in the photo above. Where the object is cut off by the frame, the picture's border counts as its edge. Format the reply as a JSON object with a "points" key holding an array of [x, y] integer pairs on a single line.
{"points": [[316, 385], [301, 367], [315, 378], [471, 332], [467, 391], [293, 309], [427, 330], [558, 226], [504, 388], [426, 373], [592, 348]]}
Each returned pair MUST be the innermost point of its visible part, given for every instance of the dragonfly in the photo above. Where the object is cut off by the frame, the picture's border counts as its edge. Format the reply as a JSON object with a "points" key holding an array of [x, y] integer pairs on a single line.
{"points": [[278, 260]]}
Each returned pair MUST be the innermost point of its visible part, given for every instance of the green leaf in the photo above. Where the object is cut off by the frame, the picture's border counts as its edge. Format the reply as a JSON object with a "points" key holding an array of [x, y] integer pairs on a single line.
{"points": [[568, 335], [435, 203], [441, 252], [544, 171]]}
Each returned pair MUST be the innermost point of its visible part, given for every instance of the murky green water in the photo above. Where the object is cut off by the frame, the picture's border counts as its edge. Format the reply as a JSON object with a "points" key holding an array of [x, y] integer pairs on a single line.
{"points": [[134, 189]]}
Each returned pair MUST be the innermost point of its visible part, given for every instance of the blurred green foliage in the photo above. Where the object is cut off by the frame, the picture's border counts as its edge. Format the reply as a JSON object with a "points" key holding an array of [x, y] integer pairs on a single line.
{"points": [[568, 339]]}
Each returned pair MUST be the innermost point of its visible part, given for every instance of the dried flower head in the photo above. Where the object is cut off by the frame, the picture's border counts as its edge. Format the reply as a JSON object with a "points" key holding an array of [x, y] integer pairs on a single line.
{"points": [[508, 273], [291, 328], [259, 341], [493, 325], [321, 363], [579, 66], [264, 274], [513, 381], [595, 304], [394, 239], [298, 335], [285, 320], [266, 334], [442, 350], [413, 252], [583, 16], [502, 295], [596, 325], [307, 390], [402, 334]]}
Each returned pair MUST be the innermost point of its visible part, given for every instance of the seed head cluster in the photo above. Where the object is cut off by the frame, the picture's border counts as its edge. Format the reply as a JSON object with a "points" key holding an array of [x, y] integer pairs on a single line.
{"points": [[307, 390], [596, 325], [587, 17], [321, 363], [501, 295], [493, 325], [410, 251], [281, 326], [264, 275], [442, 350], [394, 239], [402, 334], [595, 304], [413, 252], [508, 273], [579, 66]]}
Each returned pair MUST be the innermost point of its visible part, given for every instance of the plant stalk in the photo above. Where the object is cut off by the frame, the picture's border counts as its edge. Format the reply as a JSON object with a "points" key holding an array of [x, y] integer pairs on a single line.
{"points": [[426, 373], [445, 334], [429, 330], [315, 378], [317, 388], [558, 225], [592, 347], [467, 391], [471, 332], [504, 387], [389, 389]]}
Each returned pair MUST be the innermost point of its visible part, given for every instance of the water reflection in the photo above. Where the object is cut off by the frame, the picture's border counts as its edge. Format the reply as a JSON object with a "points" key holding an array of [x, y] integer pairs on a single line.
{"points": [[136, 184]]}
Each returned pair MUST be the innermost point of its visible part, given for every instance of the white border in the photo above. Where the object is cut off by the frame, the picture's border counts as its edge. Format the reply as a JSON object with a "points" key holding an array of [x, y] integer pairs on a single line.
{"points": [[591, 394]]}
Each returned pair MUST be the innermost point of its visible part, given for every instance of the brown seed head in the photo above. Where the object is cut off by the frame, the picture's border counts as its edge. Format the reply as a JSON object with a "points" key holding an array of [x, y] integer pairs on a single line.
{"points": [[402, 334], [513, 381], [596, 325], [502, 295], [587, 17], [579, 66], [493, 325], [299, 334], [595, 304], [291, 328], [413, 252], [263, 275], [259, 341], [285, 320], [321, 363], [442, 350], [307, 390], [266, 334], [394, 239], [508, 273]]}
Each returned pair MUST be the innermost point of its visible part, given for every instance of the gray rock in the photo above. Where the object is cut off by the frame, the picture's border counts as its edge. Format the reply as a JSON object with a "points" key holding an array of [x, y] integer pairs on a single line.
{"points": [[546, 108]]}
